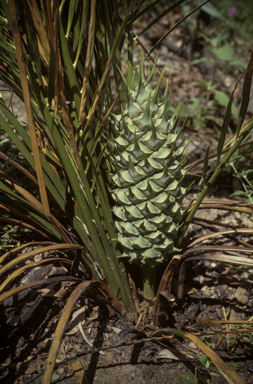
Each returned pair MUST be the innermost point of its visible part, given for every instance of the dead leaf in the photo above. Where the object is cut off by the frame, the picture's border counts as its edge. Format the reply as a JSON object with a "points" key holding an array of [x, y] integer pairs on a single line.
{"points": [[80, 372]]}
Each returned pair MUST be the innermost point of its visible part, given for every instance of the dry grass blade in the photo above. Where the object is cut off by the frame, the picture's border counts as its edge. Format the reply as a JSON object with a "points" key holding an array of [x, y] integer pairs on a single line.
{"points": [[103, 123], [22, 191], [223, 248], [41, 31], [224, 258], [228, 373], [31, 199], [201, 160], [248, 231], [50, 248], [231, 259], [18, 166], [209, 322], [87, 63], [224, 331], [27, 99], [79, 372], [168, 275], [107, 67], [214, 223], [22, 224], [64, 319], [33, 224], [241, 131], [19, 271], [19, 249], [165, 284], [37, 284], [230, 205], [51, 17]]}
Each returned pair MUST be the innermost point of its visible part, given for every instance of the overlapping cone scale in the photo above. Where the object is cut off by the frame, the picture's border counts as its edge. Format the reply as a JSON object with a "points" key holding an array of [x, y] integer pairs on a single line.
{"points": [[149, 170]]}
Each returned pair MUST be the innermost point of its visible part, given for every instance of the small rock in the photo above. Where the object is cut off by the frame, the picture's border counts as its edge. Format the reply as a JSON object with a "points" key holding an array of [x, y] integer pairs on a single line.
{"points": [[231, 292], [21, 342], [242, 295], [109, 358], [148, 374], [222, 345], [219, 312], [250, 303], [222, 289], [212, 308], [192, 345], [239, 351]]}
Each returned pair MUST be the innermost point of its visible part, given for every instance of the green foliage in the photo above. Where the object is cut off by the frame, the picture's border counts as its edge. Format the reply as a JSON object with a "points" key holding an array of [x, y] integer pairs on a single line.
{"points": [[7, 233], [208, 8], [199, 110], [218, 48], [187, 378], [240, 21], [222, 99], [202, 109], [207, 340], [246, 337], [237, 366], [202, 362], [13, 321], [221, 50], [241, 168]]}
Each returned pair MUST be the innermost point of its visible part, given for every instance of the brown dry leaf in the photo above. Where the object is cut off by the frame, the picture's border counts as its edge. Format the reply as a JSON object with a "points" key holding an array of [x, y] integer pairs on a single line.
{"points": [[167, 354], [62, 324], [36, 284], [168, 296], [207, 322], [229, 374], [19, 271], [80, 372], [23, 257]]}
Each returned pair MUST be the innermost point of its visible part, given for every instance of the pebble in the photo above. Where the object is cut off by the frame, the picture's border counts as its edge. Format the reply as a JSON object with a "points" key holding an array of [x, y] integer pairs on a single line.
{"points": [[239, 351], [192, 345]]}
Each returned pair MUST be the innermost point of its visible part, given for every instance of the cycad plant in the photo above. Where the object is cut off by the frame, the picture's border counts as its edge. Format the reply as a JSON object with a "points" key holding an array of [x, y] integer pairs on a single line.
{"points": [[63, 80], [105, 170], [58, 57]]}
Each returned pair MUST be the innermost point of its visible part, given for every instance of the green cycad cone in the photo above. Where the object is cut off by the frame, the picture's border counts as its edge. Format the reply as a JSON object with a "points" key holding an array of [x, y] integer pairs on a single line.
{"points": [[147, 186]]}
